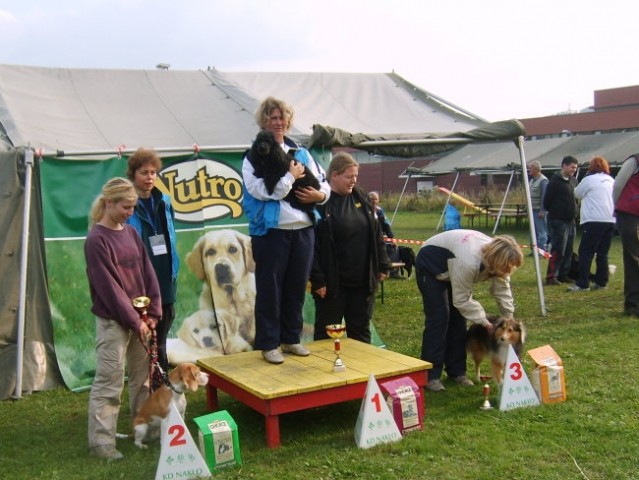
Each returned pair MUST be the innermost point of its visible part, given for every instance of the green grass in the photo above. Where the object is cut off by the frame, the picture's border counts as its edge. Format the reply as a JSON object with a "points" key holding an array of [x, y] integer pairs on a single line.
{"points": [[593, 435]]}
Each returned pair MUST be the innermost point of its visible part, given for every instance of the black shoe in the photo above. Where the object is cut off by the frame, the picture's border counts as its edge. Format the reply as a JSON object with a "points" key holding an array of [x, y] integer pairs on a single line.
{"points": [[553, 281], [565, 279]]}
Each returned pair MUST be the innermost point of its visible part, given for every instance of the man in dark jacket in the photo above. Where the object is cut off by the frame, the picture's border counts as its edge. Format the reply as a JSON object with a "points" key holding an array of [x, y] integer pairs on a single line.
{"points": [[561, 205]]}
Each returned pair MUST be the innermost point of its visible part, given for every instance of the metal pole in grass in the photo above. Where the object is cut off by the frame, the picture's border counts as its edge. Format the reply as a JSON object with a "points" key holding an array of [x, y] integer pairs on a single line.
{"points": [[401, 194], [28, 160], [452, 189], [503, 201], [531, 223]]}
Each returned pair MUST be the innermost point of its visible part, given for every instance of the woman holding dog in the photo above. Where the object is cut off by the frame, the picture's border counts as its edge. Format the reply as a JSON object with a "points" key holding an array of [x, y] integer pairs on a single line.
{"points": [[282, 239], [350, 255], [448, 265], [153, 220], [118, 270]]}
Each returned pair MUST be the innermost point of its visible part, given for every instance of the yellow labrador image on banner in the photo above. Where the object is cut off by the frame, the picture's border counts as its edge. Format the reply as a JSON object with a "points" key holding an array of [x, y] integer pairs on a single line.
{"points": [[224, 322]]}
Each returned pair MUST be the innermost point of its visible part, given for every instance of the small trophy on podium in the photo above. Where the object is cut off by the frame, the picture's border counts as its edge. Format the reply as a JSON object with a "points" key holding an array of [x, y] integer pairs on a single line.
{"points": [[336, 331]]}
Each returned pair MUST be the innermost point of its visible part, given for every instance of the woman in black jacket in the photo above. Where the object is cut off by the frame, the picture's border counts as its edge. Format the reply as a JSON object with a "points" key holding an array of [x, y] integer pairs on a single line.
{"points": [[350, 258]]}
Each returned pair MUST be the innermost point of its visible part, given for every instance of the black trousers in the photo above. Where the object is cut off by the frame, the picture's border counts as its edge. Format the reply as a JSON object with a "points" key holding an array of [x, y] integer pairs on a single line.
{"points": [[354, 305], [444, 337]]}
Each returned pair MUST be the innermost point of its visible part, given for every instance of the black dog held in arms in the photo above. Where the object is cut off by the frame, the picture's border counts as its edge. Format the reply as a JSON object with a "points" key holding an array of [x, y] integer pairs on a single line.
{"points": [[271, 163]]}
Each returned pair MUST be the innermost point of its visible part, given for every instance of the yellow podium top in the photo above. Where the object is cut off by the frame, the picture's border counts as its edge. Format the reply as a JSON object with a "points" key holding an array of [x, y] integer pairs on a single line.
{"points": [[296, 375]]}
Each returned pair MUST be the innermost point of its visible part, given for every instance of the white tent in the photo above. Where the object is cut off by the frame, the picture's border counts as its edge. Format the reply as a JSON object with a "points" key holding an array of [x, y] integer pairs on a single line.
{"points": [[93, 113]]}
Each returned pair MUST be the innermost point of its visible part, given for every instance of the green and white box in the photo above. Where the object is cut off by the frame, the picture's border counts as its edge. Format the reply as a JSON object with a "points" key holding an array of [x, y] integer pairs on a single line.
{"points": [[219, 440]]}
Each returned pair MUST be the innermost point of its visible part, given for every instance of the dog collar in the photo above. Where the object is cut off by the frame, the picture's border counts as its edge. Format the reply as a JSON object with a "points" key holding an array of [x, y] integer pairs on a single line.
{"points": [[173, 387]]}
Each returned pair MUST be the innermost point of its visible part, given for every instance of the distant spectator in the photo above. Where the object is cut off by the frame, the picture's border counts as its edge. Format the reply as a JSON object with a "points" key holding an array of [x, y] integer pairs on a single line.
{"points": [[381, 215], [597, 222], [561, 205], [626, 197], [538, 185]]}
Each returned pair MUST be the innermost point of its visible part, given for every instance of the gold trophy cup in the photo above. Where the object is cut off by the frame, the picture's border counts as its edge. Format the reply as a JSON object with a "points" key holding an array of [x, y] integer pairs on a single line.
{"points": [[336, 331], [140, 304]]}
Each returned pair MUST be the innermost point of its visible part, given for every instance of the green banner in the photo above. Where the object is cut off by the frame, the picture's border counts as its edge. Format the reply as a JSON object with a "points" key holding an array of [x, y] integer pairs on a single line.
{"points": [[206, 193]]}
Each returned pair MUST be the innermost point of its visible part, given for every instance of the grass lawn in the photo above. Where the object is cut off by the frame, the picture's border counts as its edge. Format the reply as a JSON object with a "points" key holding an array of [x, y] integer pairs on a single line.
{"points": [[593, 435]]}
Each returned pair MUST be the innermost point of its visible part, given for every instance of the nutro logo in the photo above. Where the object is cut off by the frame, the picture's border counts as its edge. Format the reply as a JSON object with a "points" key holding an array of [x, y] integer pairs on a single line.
{"points": [[202, 190]]}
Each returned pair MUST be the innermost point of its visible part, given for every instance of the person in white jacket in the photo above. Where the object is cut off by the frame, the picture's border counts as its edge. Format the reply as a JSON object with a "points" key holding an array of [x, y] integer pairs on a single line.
{"points": [[597, 222], [448, 265]]}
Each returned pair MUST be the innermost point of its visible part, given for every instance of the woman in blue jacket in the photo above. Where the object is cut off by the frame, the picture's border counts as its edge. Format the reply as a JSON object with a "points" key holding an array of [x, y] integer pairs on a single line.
{"points": [[153, 219]]}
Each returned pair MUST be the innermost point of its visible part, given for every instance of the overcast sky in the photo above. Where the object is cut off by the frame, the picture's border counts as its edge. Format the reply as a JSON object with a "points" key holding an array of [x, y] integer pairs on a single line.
{"points": [[497, 59]]}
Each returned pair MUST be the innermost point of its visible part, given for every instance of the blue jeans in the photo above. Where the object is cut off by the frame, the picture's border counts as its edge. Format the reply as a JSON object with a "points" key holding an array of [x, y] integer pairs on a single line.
{"points": [[541, 230], [562, 239]]}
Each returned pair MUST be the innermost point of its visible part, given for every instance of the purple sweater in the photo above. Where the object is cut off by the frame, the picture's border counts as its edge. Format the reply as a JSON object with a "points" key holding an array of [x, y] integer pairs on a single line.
{"points": [[119, 270]]}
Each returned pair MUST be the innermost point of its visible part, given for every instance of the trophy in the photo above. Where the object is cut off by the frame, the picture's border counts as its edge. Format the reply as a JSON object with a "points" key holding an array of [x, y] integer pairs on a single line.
{"points": [[486, 390], [336, 331], [140, 304]]}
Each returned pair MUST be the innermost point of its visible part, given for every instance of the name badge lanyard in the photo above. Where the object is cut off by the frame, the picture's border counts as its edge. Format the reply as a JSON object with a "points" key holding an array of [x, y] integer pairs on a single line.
{"points": [[158, 245]]}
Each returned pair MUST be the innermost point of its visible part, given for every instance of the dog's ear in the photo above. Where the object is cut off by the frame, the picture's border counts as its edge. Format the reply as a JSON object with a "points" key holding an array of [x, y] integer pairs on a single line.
{"points": [[194, 259], [190, 377], [247, 248]]}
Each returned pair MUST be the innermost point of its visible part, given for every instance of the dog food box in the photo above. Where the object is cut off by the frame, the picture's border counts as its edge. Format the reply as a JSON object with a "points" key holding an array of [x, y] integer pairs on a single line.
{"points": [[548, 375], [218, 440], [404, 400]]}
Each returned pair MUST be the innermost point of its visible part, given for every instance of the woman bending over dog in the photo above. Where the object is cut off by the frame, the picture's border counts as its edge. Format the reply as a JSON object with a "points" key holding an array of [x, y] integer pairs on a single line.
{"points": [[448, 265]]}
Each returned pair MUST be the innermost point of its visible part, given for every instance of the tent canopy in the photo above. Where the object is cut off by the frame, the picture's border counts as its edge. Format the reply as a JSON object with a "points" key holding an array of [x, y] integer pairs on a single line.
{"points": [[416, 145], [86, 110], [615, 147]]}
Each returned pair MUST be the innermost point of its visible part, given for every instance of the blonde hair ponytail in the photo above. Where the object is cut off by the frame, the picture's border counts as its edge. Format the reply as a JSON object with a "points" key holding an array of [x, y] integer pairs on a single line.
{"points": [[116, 189]]}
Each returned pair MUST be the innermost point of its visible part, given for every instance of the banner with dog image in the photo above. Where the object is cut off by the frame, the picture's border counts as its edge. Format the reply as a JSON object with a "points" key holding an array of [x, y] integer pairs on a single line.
{"points": [[216, 285]]}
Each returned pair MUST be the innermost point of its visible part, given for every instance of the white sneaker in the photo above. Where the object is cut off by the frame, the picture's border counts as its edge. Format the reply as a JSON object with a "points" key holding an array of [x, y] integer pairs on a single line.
{"points": [[273, 356], [463, 380], [435, 385], [107, 452], [296, 349], [577, 288]]}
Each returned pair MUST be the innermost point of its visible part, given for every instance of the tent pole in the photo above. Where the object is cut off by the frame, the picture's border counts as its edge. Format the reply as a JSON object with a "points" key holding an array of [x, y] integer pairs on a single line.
{"points": [[452, 189], [503, 201], [28, 160], [531, 223], [401, 194]]}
